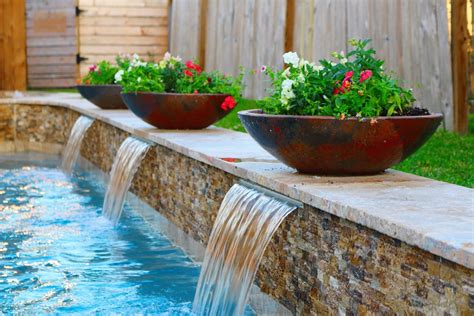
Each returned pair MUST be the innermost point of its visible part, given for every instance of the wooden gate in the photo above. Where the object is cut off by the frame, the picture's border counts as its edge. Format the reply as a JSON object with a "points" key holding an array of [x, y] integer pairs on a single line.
{"points": [[110, 27], [51, 43]]}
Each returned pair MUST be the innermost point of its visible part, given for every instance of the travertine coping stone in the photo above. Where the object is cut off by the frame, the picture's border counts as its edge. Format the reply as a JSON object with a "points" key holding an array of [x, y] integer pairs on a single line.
{"points": [[435, 216]]}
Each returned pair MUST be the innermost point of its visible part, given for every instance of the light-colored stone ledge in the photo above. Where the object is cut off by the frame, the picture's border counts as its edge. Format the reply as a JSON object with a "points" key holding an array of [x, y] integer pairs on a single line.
{"points": [[435, 216]]}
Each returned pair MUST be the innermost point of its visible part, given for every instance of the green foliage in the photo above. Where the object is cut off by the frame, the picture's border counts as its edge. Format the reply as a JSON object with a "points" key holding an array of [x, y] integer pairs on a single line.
{"points": [[232, 121], [173, 76], [354, 86], [140, 76], [102, 73], [446, 157]]}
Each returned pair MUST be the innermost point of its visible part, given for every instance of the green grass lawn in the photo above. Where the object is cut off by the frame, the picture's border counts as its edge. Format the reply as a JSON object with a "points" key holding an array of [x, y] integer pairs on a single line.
{"points": [[446, 156]]}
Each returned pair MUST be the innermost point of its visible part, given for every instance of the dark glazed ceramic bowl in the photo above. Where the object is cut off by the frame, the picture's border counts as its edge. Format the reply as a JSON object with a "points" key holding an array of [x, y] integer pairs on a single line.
{"points": [[326, 146], [106, 97], [176, 111]]}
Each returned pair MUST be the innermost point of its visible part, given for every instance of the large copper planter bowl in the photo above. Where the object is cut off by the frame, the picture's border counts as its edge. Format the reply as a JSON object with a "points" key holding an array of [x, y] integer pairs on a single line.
{"points": [[326, 146], [176, 111], [106, 97]]}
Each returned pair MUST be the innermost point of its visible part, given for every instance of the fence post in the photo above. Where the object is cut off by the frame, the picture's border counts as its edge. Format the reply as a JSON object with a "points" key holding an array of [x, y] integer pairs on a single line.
{"points": [[12, 45], [289, 25], [202, 33], [459, 53]]}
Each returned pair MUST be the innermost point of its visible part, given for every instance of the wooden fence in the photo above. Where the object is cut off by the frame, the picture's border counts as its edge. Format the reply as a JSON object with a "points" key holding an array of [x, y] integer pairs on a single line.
{"points": [[51, 43], [412, 36], [12, 45], [110, 27]]}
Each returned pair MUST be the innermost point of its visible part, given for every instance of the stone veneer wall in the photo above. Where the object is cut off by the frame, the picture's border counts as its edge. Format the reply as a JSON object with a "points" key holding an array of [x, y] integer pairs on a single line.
{"points": [[316, 263], [35, 124]]}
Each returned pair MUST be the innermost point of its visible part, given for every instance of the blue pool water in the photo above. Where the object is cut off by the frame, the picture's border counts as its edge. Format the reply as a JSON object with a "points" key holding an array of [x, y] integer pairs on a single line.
{"points": [[59, 255]]}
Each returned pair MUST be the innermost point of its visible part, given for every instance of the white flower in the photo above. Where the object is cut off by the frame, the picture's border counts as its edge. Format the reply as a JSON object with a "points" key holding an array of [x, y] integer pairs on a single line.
{"points": [[287, 84], [167, 56], [317, 67], [118, 75], [163, 64], [287, 94], [301, 77], [139, 79], [291, 58], [286, 72], [286, 91], [177, 58], [341, 53], [135, 57], [343, 61]]}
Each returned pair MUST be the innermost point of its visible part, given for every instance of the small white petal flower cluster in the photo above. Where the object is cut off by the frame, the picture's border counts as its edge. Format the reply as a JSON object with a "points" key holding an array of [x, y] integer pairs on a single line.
{"points": [[298, 70], [169, 60], [287, 91], [136, 62], [291, 58], [118, 76]]}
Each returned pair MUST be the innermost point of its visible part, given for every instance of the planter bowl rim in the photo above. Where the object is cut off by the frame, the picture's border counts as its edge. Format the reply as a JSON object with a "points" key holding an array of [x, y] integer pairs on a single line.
{"points": [[258, 112], [174, 94]]}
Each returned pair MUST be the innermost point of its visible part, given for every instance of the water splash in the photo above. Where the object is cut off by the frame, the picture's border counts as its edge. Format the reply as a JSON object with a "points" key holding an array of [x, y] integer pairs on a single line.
{"points": [[126, 163], [73, 146], [244, 226]]}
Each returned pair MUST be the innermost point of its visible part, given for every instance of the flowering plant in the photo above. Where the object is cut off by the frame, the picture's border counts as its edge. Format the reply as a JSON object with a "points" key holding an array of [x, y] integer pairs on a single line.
{"points": [[101, 73], [172, 75], [104, 72], [355, 86]]}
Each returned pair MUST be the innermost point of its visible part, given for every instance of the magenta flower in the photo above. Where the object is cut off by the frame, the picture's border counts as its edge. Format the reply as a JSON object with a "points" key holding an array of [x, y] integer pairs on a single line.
{"points": [[365, 75]]}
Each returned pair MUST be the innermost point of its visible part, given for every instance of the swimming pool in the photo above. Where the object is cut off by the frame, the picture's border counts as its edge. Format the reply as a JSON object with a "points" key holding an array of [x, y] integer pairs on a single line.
{"points": [[58, 254]]}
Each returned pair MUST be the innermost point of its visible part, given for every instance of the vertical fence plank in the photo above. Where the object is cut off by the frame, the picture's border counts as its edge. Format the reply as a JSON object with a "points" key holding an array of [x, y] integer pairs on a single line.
{"points": [[12, 45], [446, 86], [459, 49]]}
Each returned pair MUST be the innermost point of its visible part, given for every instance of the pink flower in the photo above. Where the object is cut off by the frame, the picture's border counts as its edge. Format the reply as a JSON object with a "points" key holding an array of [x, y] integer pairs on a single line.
{"points": [[364, 75], [348, 75], [263, 68], [228, 104], [92, 68]]}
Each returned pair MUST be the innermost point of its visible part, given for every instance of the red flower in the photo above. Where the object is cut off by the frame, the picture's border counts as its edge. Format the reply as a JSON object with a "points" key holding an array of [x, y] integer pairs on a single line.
{"points": [[228, 103], [348, 75], [196, 92], [188, 73], [346, 84], [336, 91], [364, 75], [191, 65]]}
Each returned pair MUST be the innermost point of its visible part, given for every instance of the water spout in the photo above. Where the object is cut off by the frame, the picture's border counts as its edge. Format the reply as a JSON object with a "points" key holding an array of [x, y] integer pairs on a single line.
{"points": [[73, 146], [244, 226], [125, 165]]}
